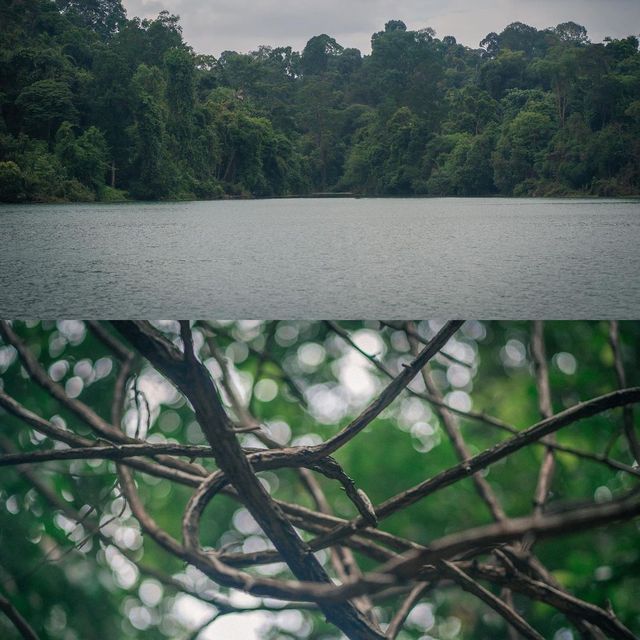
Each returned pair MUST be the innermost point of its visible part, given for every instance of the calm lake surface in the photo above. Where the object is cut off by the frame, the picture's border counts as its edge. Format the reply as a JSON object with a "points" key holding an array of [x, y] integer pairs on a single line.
{"points": [[309, 258]]}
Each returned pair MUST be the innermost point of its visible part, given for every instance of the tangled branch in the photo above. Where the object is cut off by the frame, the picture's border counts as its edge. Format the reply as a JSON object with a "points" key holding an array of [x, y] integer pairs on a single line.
{"points": [[499, 554]]}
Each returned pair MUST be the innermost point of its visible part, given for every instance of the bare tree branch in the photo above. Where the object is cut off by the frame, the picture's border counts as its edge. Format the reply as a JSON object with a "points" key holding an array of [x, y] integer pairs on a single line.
{"points": [[506, 612], [491, 421], [538, 352], [403, 612], [453, 431], [627, 412], [560, 420], [391, 392], [192, 378], [23, 627], [405, 569]]}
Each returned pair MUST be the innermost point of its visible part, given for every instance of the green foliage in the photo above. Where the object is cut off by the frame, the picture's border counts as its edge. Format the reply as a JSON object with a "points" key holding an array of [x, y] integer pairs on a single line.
{"points": [[150, 161], [386, 156], [101, 16], [180, 93], [44, 105], [461, 168], [11, 182], [85, 156], [109, 194], [543, 111], [522, 142], [318, 54]]}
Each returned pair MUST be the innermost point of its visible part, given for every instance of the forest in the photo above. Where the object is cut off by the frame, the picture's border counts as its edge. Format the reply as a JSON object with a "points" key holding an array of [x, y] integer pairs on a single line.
{"points": [[319, 480], [99, 106]]}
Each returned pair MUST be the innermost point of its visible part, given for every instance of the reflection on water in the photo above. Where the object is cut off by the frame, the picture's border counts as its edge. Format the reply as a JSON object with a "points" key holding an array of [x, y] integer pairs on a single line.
{"points": [[392, 258]]}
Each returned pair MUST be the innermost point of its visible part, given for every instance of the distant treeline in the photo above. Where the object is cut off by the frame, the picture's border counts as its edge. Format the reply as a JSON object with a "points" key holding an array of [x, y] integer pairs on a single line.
{"points": [[97, 106]]}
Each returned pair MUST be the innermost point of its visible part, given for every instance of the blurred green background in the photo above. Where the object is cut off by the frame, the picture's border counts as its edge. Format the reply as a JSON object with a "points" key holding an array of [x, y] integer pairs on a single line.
{"points": [[304, 382]]}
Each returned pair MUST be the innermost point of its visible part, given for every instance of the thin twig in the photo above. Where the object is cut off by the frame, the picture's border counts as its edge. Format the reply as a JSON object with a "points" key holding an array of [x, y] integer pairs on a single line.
{"points": [[538, 352], [627, 412], [507, 613], [23, 627], [402, 613]]}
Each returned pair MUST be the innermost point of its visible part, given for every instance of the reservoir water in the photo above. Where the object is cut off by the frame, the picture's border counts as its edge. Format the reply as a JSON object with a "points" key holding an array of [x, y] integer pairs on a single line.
{"points": [[315, 258]]}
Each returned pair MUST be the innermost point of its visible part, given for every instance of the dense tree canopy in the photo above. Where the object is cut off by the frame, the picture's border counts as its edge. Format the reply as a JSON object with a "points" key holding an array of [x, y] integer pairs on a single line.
{"points": [[459, 479], [528, 112]]}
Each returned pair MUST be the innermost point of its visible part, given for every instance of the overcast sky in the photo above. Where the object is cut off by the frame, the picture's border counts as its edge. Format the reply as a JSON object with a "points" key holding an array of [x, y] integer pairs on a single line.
{"points": [[212, 26]]}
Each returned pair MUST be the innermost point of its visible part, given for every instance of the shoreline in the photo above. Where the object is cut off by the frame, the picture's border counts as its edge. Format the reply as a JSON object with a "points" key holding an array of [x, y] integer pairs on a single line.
{"points": [[321, 196]]}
